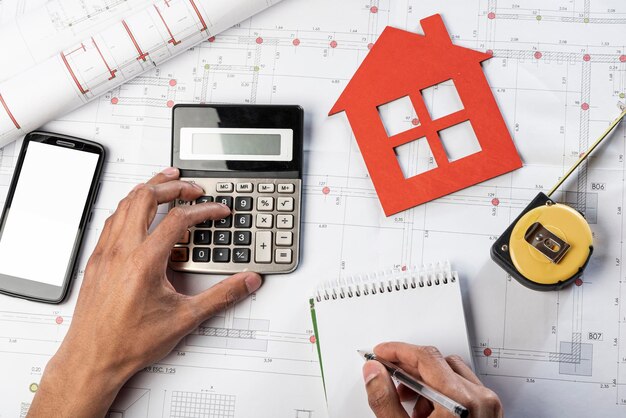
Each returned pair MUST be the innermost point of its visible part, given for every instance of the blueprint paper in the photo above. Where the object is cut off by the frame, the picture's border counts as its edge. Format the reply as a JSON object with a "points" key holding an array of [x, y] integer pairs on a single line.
{"points": [[10, 11], [55, 26], [39, 91], [556, 74]]}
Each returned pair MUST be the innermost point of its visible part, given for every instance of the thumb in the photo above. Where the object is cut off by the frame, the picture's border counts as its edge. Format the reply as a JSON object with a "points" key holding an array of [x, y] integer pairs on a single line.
{"points": [[381, 392], [224, 294]]}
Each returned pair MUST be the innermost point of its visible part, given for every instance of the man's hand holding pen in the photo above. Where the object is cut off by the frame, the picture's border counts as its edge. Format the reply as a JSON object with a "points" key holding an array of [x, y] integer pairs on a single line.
{"points": [[448, 375]]}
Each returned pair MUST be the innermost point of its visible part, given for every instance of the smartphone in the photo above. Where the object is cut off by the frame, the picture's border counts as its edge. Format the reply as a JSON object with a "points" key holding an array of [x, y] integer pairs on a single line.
{"points": [[47, 209]]}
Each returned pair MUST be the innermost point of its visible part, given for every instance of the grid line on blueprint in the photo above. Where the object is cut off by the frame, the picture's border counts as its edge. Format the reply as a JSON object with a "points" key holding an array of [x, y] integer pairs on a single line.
{"points": [[202, 405]]}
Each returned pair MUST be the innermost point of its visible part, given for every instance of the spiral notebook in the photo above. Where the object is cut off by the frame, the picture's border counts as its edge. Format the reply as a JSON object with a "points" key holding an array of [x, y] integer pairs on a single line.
{"points": [[418, 306]]}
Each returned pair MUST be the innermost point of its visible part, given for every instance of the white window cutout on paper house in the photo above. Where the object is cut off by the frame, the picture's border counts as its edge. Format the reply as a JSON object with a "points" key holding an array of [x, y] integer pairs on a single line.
{"points": [[398, 116]]}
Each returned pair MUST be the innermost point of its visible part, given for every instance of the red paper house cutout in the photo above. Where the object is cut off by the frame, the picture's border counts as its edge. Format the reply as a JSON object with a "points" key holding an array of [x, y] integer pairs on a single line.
{"points": [[403, 64]]}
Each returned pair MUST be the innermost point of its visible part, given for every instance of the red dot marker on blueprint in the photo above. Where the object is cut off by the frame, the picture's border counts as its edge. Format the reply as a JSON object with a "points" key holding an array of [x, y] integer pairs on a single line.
{"points": [[415, 121], [584, 106], [259, 40], [578, 282], [622, 58], [173, 82], [370, 45], [586, 57], [212, 39], [333, 44], [326, 190], [59, 320], [495, 201], [374, 9], [491, 15], [170, 103], [487, 352], [115, 100], [538, 55], [312, 339], [489, 52], [296, 42]]}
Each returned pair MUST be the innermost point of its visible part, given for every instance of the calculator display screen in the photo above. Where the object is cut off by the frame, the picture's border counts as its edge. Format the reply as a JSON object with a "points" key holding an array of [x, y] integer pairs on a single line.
{"points": [[39, 233], [235, 144], [238, 140], [242, 144]]}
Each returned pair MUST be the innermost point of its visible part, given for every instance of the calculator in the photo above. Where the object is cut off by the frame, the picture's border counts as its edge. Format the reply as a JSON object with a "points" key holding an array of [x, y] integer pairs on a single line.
{"points": [[248, 157]]}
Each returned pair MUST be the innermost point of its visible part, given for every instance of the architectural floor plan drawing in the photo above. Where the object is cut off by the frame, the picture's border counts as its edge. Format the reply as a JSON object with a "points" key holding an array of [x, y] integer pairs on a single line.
{"points": [[54, 26], [70, 71], [557, 72]]}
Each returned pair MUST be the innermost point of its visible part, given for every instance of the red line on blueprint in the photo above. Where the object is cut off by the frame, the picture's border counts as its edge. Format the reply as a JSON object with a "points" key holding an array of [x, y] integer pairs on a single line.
{"points": [[67, 64], [82, 46], [112, 72], [172, 40], [17, 125], [142, 55], [193, 4]]}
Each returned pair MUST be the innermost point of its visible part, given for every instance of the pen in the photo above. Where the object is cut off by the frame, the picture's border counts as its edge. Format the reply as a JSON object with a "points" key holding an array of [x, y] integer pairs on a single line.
{"points": [[418, 387]]}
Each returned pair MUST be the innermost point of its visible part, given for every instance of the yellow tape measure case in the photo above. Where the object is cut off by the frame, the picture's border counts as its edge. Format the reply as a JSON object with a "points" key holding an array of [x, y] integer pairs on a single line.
{"points": [[547, 247]]}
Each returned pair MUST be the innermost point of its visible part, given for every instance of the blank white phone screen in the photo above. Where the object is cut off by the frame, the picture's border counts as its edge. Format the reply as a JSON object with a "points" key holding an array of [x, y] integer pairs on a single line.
{"points": [[42, 224]]}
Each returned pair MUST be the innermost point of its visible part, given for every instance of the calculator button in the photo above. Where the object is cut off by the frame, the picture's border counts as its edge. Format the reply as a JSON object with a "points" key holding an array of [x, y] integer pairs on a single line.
{"points": [[185, 238], [243, 221], [221, 255], [225, 200], [285, 204], [224, 187], [179, 254], [243, 204], [245, 188], [224, 223], [286, 188], [201, 255], [265, 204], [241, 255], [204, 199], [284, 221], [201, 237], [266, 188], [284, 238], [283, 256], [264, 220], [206, 224], [263, 247], [242, 238], [221, 238]]}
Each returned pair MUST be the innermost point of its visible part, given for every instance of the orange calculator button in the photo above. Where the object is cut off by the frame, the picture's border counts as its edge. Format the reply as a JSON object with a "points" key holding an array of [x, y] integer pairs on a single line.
{"points": [[180, 254]]}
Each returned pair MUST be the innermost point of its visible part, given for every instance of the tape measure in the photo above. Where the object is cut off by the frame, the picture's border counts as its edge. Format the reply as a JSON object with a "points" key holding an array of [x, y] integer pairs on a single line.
{"points": [[549, 245]]}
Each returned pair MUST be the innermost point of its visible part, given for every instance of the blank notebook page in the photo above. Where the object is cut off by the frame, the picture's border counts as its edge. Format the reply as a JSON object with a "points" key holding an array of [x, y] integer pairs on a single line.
{"points": [[412, 312]]}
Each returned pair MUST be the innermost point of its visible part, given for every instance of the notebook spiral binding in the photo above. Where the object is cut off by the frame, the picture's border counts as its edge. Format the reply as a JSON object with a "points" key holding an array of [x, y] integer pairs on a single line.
{"points": [[387, 281]]}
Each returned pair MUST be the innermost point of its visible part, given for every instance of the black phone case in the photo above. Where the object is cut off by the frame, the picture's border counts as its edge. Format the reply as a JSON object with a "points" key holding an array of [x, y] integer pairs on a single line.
{"points": [[52, 138]]}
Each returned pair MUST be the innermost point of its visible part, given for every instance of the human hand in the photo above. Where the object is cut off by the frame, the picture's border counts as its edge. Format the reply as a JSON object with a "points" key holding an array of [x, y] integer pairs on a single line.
{"points": [[449, 375], [128, 315]]}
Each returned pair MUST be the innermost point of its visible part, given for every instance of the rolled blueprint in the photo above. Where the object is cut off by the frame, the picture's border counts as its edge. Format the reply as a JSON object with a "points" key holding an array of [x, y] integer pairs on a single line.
{"points": [[110, 57], [41, 33]]}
